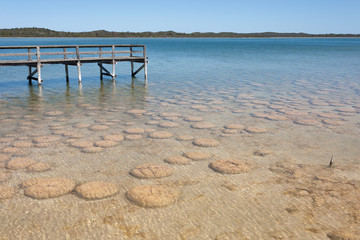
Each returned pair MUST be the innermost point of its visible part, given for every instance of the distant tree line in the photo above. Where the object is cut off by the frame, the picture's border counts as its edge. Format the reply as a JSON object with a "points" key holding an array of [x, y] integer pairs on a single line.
{"points": [[44, 32]]}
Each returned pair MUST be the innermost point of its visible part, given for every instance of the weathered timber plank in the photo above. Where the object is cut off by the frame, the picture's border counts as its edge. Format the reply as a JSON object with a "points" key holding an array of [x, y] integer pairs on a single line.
{"points": [[16, 54], [70, 46], [59, 61]]}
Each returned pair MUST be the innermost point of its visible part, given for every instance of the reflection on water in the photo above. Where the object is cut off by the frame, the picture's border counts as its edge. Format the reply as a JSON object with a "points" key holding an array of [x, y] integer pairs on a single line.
{"points": [[239, 158]]}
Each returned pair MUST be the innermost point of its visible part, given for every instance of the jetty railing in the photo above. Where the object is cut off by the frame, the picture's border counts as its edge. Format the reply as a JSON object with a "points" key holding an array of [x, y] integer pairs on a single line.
{"points": [[37, 56]]}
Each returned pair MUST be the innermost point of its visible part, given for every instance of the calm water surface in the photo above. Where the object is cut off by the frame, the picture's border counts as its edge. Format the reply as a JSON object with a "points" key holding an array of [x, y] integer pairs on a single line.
{"points": [[281, 108]]}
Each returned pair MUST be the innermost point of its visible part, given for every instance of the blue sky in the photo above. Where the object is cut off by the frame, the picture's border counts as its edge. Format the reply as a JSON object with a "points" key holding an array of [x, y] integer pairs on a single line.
{"points": [[244, 16]]}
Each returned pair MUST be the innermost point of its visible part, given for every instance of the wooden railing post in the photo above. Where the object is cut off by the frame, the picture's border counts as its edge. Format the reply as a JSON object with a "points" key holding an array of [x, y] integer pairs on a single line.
{"points": [[66, 66], [78, 63], [132, 63], [29, 52], [145, 63], [38, 65], [65, 55], [113, 61], [100, 64], [29, 59]]}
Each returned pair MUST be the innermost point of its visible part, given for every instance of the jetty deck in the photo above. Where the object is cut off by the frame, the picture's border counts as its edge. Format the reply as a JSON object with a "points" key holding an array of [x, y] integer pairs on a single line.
{"points": [[37, 56]]}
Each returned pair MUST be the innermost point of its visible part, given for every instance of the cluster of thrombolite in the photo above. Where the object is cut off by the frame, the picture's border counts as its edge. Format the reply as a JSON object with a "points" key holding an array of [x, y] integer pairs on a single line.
{"points": [[197, 123], [160, 195], [12, 162], [300, 115], [20, 146], [107, 141], [28, 163], [143, 195], [152, 195], [51, 187], [17, 163]]}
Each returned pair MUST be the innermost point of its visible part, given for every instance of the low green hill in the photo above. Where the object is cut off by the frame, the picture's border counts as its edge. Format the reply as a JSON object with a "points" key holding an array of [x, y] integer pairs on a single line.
{"points": [[44, 32]]}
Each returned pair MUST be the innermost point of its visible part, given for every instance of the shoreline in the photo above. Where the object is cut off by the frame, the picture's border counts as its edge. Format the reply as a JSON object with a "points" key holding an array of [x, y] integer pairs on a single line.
{"points": [[237, 133], [191, 37]]}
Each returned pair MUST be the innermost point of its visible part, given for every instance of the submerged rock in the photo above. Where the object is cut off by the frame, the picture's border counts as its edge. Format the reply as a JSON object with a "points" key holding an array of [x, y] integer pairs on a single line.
{"points": [[152, 196], [205, 142], [203, 125], [96, 190], [230, 166], [177, 160], [42, 188], [150, 170], [39, 167], [197, 156], [160, 135], [19, 163]]}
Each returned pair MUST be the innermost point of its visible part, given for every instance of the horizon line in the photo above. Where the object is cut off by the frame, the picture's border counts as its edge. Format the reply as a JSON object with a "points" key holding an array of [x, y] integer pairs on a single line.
{"points": [[173, 31]]}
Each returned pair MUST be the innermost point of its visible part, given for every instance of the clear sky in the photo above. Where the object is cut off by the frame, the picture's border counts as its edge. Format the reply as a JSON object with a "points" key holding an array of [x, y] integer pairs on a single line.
{"points": [[243, 16]]}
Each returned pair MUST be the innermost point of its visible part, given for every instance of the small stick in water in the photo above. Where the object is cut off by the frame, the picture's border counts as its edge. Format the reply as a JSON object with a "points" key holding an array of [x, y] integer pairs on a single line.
{"points": [[331, 161]]}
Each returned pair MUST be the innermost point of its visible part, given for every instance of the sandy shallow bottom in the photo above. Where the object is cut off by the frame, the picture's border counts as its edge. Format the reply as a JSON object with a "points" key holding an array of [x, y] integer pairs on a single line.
{"points": [[289, 192]]}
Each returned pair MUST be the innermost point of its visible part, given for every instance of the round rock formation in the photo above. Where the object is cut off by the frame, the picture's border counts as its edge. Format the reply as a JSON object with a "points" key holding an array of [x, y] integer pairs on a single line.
{"points": [[160, 135], [255, 130], [193, 119], [230, 166], [198, 156], [19, 163], [39, 167], [150, 170], [203, 125], [169, 125], [136, 111], [96, 190], [134, 131], [98, 127], [205, 142], [185, 138], [306, 122], [152, 196], [177, 160], [106, 143], [42, 188], [234, 126], [133, 137]]}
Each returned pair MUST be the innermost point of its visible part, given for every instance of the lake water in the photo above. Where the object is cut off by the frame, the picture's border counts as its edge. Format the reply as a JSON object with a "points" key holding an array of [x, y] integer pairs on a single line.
{"points": [[277, 111]]}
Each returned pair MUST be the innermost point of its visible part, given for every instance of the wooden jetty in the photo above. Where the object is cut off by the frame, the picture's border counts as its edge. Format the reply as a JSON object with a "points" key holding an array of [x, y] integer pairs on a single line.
{"points": [[75, 55]]}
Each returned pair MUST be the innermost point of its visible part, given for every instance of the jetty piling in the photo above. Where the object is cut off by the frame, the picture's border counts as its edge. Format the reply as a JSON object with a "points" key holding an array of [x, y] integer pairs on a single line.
{"points": [[65, 54]]}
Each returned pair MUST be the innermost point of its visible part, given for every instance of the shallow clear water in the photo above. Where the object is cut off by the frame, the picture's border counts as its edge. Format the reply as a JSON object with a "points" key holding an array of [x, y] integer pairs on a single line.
{"points": [[302, 93]]}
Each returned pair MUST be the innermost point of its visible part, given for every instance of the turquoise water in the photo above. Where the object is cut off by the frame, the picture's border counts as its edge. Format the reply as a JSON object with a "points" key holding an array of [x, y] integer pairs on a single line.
{"points": [[212, 62], [280, 109]]}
